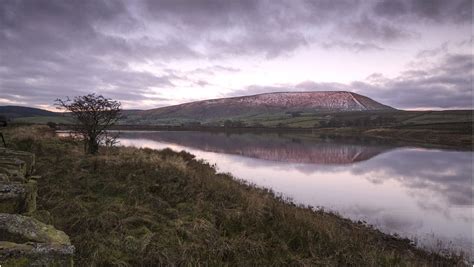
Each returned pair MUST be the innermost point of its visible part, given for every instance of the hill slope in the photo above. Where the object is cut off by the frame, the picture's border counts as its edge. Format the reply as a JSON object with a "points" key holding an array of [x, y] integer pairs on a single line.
{"points": [[13, 112], [321, 101]]}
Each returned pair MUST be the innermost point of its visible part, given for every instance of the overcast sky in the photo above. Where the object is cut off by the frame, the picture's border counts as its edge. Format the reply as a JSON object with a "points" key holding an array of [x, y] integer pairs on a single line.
{"points": [[410, 54]]}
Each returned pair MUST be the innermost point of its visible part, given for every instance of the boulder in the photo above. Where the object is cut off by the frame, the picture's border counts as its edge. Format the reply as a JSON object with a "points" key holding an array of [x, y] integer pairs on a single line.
{"points": [[4, 178], [16, 197], [26, 157], [13, 166], [26, 241]]}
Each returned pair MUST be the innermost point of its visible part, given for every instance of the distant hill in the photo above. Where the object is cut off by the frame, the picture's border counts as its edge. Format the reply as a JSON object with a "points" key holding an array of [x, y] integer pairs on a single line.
{"points": [[280, 110], [321, 101], [13, 112]]}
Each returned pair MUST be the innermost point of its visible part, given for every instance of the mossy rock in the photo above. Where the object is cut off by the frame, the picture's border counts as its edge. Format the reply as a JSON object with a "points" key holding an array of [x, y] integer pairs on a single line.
{"points": [[13, 166], [20, 229], [35, 254], [27, 157], [26, 241], [4, 178], [12, 174], [18, 197]]}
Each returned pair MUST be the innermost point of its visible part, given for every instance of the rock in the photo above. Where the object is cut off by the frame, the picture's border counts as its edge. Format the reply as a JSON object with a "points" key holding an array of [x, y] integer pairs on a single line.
{"points": [[26, 157], [11, 174], [13, 166], [20, 229], [29, 242], [25, 241], [4, 178], [18, 197], [35, 254]]}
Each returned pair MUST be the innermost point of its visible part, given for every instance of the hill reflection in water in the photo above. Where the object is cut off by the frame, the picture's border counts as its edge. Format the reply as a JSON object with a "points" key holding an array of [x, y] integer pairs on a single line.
{"points": [[291, 148]]}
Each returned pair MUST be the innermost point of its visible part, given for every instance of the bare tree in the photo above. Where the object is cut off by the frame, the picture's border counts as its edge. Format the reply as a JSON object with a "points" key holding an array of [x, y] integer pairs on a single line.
{"points": [[94, 114]]}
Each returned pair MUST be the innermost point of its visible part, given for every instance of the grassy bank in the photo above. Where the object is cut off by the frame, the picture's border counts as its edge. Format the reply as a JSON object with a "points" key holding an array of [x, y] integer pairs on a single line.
{"points": [[134, 207]]}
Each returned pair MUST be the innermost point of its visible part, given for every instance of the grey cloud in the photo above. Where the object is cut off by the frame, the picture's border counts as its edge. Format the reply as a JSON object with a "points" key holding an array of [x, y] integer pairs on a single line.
{"points": [[213, 70], [366, 28], [58, 48], [445, 85], [458, 11], [45, 81], [353, 46], [49, 47], [427, 53], [272, 44]]}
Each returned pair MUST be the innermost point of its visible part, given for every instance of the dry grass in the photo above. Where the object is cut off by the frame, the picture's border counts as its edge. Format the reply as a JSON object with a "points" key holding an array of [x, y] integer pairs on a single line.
{"points": [[132, 207]]}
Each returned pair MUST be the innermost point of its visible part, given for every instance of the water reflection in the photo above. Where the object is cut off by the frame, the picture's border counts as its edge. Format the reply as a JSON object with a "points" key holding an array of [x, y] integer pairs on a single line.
{"points": [[292, 148], [418, 193]]}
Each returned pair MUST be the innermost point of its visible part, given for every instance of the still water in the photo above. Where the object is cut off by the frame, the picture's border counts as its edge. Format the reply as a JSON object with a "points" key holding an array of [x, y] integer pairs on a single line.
{"points": [[423, 194]]}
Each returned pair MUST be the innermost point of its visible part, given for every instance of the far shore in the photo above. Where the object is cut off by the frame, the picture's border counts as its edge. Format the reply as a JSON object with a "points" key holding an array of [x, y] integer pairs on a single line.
{"points": [[456, 136]]}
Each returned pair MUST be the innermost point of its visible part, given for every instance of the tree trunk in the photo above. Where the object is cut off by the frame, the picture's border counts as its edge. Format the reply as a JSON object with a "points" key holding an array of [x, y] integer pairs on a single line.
{"points": [[92, 145]]}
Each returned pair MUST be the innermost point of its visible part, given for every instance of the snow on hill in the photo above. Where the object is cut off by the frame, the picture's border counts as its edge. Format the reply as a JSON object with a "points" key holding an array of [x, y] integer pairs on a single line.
{"points": [[319, 101]]}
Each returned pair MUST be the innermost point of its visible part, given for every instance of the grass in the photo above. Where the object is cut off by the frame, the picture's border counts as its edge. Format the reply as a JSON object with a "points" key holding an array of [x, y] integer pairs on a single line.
{"points": [[132, 207], [43, 119]]}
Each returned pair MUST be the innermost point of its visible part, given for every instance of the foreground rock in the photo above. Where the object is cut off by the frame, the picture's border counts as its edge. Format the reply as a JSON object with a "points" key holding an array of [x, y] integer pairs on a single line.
{"points": [[26, 157], [29, 242], [16, 197], [25, 241]]}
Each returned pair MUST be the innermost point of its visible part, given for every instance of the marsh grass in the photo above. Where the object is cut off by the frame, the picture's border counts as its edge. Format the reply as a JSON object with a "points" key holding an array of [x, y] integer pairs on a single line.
{"points": [[135, 207]]}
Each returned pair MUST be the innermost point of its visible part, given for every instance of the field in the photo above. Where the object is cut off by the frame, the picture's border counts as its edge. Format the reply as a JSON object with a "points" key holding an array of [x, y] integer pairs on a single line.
{"points": [[449, 128], [397, 118], [43, 120], [132, 207]]}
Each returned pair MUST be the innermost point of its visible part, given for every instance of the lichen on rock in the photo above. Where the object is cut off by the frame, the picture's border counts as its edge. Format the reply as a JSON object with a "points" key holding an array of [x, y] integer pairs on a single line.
{"points": [[35, 254], [16, 197], [26, 157], [25, 241], [27, 229]]}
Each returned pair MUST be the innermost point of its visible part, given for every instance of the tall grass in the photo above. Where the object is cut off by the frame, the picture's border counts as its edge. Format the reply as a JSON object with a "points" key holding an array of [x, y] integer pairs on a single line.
{"points": [[132, 207]]}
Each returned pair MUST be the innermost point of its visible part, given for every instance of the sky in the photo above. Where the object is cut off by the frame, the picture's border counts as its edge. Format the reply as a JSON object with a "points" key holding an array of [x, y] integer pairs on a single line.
{"points": [[410, 54]]}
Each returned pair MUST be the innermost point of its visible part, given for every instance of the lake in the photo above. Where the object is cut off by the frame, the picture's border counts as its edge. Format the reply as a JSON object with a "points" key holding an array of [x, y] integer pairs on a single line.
{"points": [[423, 194]]}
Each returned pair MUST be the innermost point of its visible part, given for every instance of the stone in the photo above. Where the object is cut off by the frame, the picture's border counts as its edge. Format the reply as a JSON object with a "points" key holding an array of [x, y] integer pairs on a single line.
{"points": [[13, 166], [20, 229], [18, 197], [26, 157], [4, 178], [26, 241], [11, 173]]}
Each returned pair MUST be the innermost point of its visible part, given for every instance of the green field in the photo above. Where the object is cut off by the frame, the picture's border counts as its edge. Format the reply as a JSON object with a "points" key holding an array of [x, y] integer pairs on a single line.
{"points": [[44, 120]]}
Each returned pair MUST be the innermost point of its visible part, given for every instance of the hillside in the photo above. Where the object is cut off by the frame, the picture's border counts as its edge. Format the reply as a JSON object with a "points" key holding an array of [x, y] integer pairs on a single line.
{"points": [[13, 112], [223, 108]]}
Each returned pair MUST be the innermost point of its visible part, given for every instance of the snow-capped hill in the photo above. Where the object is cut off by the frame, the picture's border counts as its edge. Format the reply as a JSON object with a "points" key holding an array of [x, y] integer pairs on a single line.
{"points": [[320, 101], [344, 101]]}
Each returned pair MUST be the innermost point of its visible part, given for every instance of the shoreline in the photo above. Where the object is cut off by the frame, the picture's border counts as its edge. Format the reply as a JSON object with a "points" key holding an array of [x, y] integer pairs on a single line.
{"points": [[443, 139]]}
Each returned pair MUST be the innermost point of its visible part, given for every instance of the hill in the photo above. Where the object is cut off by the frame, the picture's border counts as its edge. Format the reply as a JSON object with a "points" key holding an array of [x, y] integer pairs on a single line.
{"points": [[14, 112], [279, 102]]}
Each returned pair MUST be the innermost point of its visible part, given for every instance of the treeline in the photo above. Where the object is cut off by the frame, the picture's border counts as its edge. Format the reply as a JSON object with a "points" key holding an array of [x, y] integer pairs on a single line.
{"points": [[369, 121], [359, 122]]}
